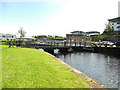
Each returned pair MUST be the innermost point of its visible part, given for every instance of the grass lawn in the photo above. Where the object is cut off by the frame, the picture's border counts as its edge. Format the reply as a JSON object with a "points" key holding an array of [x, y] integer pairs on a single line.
{"points": [[32, 68]]}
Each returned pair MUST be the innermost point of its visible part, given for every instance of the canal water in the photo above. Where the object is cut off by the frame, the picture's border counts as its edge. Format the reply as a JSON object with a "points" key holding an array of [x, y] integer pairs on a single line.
{"points": [[101, 67]]}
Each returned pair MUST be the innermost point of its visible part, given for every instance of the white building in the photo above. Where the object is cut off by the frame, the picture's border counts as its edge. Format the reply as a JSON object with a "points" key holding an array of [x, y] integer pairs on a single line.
{"points": [[7, 36], [116, 23]]}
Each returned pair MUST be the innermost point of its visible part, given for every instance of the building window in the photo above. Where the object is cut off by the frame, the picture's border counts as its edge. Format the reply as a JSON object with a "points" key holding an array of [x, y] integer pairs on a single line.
{"points": [[118, 23], [118, 27]]}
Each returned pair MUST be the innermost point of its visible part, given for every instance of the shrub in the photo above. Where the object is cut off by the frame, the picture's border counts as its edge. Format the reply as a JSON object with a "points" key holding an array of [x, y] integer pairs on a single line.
{"points": [[7, 42]]}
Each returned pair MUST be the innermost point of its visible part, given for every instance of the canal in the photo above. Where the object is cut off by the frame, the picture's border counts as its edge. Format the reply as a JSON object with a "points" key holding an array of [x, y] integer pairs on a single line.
{"points": [[101, 67]]}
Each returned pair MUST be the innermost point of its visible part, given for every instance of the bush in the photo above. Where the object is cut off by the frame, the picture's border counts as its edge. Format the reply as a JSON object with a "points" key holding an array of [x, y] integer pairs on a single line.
{"points": [[6, 42], [20, 42], [24, 43]]}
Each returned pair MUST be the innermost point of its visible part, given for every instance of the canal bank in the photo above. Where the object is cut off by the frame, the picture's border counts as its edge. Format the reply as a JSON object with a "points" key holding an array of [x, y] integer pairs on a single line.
{"points": [[88, 80], [91, 64]]}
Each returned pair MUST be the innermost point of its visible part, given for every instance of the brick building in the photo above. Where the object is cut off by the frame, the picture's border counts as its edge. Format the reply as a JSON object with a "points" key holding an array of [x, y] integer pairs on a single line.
{"points": [[78, 36]]}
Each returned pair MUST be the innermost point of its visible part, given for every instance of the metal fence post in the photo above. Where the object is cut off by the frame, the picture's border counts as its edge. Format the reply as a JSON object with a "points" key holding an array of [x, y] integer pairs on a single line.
{"points": [[75, 43]]}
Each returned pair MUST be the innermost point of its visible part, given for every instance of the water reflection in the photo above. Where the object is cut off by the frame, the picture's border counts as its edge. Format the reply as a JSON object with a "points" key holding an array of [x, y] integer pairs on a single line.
{"points": [[103, 68]]}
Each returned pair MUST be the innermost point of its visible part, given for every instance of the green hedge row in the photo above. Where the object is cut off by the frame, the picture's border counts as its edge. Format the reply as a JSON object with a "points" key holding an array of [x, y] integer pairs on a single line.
{"points": [[6, 42]]}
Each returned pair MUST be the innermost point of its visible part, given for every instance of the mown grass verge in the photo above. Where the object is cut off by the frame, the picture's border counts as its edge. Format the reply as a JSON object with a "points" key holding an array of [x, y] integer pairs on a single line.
{"points": [[31, 68]]}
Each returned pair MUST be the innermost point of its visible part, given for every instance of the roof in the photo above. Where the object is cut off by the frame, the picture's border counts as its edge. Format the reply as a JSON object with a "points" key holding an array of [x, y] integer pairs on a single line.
{"points": [[93, 32], [114, 19], [85, 32], [76, 31], [7, 34], [27, 37]]}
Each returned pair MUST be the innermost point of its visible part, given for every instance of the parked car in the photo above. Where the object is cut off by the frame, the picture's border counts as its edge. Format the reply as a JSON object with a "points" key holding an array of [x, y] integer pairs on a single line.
{"points": [[108, 42], [117, 43], [98, 42]]}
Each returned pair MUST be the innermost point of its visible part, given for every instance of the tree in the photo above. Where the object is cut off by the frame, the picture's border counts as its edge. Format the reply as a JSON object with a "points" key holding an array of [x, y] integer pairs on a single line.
{"points": [[87, 37], [99, 37], [22, 33], [108, 28]]}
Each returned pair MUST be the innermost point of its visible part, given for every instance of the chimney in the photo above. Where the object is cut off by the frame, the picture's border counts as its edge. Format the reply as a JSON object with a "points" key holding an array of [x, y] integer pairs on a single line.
{"points": [[119, 9]]}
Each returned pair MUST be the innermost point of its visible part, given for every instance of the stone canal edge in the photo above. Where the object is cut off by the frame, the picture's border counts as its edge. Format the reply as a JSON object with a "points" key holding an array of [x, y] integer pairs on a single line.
{"points": [[88, 80]]}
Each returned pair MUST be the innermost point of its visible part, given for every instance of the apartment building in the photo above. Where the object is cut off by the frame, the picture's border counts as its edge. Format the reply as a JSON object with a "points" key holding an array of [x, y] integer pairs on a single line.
{"points": [[116, 23]]}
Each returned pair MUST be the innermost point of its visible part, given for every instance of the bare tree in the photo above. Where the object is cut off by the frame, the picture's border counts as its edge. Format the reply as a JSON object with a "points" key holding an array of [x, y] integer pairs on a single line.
{"points": [[22, 33]]}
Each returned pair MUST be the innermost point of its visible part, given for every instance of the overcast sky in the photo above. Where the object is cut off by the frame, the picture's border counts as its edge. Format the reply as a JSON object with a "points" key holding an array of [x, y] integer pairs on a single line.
{"points": [[55, 17]]}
